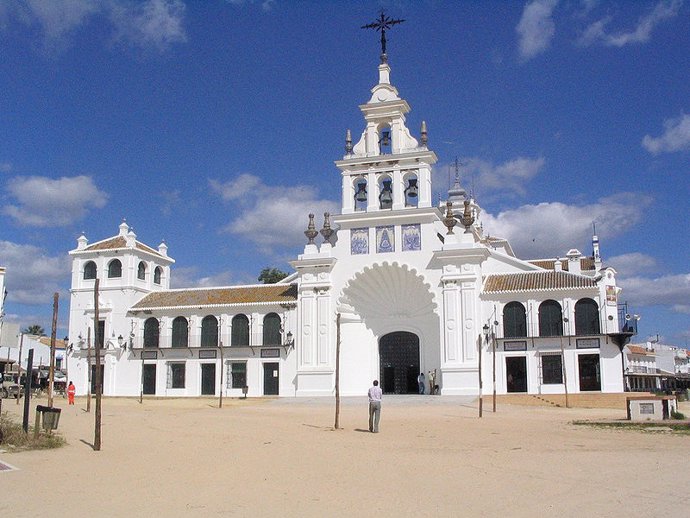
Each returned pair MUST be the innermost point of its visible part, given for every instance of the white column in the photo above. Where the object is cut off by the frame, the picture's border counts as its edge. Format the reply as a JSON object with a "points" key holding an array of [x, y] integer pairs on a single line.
{"points": [[451, 312], [307, 345]]}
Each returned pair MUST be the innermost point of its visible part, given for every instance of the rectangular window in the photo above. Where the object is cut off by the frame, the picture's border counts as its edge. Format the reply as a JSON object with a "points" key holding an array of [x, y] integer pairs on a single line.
{"points": [[552, 369], [239, 374], [177, 375]]}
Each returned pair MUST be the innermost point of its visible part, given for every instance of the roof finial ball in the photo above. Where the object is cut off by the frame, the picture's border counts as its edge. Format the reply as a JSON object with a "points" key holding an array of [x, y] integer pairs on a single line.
{"points": [[311, 232]]}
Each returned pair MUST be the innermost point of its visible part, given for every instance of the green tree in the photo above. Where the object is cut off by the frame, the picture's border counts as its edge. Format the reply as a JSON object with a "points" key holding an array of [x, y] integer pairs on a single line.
{"points": [[34, 329], [271, 275]]}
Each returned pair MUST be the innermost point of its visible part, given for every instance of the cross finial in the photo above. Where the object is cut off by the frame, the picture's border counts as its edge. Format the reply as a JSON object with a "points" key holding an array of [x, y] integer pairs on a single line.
{"points": [[382, 23]]}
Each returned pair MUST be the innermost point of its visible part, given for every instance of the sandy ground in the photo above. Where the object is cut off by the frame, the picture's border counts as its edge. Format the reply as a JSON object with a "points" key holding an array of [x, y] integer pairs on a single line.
{"points": [[433, 457]]}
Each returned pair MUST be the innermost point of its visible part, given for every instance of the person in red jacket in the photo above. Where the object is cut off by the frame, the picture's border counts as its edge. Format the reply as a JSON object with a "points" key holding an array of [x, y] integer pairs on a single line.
{"points": [[71, 390]]}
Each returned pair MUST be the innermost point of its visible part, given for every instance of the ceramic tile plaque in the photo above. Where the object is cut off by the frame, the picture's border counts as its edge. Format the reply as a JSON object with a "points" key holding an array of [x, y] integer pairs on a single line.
{"points": [[359, 241], [411, 237], [385, 239]]}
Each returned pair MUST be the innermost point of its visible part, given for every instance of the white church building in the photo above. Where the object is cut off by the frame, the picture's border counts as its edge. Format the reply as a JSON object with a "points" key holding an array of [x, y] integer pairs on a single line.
{"points": [[402, 285]]}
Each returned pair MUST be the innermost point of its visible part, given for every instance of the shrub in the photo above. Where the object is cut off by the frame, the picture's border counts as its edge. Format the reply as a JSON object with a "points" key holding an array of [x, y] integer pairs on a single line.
{"points": [[13, 438], [677, 415]]}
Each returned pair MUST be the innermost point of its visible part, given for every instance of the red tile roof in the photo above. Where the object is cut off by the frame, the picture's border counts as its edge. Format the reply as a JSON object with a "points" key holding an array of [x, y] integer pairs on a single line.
{"points": [[118, 242], [239, 295], [586, 263], [535, 281]]}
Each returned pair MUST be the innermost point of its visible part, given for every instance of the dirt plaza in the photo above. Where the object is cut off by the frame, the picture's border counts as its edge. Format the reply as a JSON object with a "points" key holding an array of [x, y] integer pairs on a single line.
{"points": [[267, 457]]}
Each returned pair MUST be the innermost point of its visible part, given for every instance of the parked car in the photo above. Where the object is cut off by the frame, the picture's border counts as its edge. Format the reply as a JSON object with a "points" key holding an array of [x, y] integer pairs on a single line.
{"points": [[9, 386]]}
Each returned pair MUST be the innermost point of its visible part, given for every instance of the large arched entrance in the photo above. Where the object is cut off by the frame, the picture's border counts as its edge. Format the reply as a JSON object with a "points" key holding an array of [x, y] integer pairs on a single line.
{"points": [[399, 360]]}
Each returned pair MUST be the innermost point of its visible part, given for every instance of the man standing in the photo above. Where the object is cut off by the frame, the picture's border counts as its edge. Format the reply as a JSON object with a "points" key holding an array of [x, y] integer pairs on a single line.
{"points": [[374, 407], [421, 382]]}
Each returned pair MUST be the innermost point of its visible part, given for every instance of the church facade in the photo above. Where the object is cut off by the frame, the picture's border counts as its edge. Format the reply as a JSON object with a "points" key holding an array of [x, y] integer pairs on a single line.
{"points": [[390, 287]]}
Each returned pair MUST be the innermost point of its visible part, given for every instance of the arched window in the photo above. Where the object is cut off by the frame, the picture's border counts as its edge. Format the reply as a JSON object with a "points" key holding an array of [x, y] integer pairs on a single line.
{"points": [[141, 270], [550, 319], [209, 331], [587, 317], [151, 332], [90, 270], [272, 329], [157, 273], [514, 320], [114, 269], [385, 192], [240, 330], [180, 332]]}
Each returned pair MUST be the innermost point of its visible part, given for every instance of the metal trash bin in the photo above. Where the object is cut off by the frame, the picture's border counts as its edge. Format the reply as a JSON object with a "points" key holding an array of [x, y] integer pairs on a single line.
{"points": [[50, 417]]}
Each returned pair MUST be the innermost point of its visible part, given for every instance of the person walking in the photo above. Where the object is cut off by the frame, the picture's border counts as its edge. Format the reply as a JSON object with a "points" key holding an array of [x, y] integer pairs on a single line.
{"points": [[421, 382], [374, 407], [71, 390]]}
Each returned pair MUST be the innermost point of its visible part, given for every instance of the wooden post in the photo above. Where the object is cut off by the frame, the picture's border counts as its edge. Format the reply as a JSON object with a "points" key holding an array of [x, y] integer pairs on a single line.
{"points": [[220, 399], [493, 348], [27, 390], [480, 376], [565, 376], [99, 381], [88, 364], [337, 371], [51, 367], [19, 363]]}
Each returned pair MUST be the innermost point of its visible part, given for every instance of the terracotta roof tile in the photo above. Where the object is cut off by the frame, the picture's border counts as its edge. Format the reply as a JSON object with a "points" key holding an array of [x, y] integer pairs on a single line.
{"points": [[530, 281], [261, 293], [638, 349], [586, 263], [120, 242]]}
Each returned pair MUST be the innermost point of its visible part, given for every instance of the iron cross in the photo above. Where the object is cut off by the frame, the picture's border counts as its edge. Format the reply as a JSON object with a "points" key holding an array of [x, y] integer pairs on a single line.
{"points": [[382, 23]]}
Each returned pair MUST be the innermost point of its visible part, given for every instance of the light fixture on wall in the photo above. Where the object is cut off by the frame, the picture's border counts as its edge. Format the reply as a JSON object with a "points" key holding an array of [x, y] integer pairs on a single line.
{"points": [[121, 342], [289, 342], [486, 332]]}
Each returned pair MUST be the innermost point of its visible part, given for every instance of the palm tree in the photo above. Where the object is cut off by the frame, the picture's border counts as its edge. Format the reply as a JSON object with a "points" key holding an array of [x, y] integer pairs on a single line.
{"points": [[34, 329]]}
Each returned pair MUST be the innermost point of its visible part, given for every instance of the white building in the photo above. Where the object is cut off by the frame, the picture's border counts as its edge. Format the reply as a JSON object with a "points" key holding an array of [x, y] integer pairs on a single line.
{"points": [[408, 287], [652, 366]]}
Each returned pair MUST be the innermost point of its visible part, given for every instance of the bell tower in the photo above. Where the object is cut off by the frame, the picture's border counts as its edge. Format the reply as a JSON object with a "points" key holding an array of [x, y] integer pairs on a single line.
{"points": [[387, 169]]}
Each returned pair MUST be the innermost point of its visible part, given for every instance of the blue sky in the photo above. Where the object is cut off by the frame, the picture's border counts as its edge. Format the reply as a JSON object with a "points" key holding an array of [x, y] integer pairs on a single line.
{"points": [[214, 125]]}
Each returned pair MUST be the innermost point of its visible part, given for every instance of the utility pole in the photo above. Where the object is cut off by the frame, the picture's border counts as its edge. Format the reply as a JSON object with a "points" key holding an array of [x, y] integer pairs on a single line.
{"points": [[337, 371], [220, 398], [493, 350], [51, 367], [99, 381], [480, 376]]}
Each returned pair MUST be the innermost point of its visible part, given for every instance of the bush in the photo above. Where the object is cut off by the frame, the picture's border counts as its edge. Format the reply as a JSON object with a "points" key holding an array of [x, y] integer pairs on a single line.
{"points": [[13, 438], [677, 415]]}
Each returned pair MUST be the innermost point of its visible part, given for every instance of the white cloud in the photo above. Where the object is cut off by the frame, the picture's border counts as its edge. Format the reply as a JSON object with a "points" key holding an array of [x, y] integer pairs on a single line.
{"points": [[32, 276], [551, 229], [271, 216], [266, 5], [157, 23], [667, 290], [151, 23], [632, 263], [536, 28], [189, 277], [44, 202], [676, 136], [509, 177], [596, 32]]}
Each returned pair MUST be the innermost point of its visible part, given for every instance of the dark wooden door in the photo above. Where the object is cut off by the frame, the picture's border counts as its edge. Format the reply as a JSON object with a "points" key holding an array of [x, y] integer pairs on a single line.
{"points": [[399, 362], [208, 379], [271, 379], [590, 379], [516, 373], [149, 378]]}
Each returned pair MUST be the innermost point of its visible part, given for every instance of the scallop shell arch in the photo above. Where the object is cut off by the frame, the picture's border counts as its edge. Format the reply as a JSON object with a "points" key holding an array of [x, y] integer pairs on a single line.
{"points": [[385, 291]]}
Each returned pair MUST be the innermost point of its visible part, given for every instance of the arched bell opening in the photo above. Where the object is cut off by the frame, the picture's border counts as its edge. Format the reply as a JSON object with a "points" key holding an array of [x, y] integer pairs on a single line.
{"points": [[361, 193], [399, 362], [385, 192], [385, 139], [411, 192]]}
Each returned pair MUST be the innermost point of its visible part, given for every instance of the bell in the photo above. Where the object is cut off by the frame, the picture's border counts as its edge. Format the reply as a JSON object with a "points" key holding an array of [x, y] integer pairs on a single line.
{"points": [[386, 138], [386, 196], [361, 194], [412, 189]]}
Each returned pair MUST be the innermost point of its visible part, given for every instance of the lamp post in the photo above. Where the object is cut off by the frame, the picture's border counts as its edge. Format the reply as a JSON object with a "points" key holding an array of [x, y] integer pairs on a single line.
{"points": [[485, 330]]}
